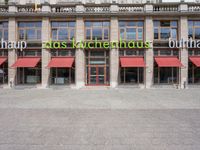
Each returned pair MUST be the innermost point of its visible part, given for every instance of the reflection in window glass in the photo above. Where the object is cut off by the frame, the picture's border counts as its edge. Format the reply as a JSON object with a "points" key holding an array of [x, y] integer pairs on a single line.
{"points": [[131, 34], [197, 33], [97, 34], [63, 30], [165, 33]]}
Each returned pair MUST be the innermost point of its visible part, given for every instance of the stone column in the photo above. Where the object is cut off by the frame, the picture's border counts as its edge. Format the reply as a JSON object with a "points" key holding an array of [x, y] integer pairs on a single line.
{"points": [[80, 56], [183, 34], [45, 52], [12, 55], [148, 36], [114, 52]]}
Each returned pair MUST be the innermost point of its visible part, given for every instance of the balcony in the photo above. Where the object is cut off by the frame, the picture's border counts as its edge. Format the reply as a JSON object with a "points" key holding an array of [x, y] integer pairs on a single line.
{"points": [[165, 8], [131, 9], [194, 8], [3, 9], [63, 9], [99, 9]]}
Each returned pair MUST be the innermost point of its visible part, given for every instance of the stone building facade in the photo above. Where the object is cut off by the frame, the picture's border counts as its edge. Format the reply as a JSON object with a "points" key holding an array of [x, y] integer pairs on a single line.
{"points": [[156, 66]]}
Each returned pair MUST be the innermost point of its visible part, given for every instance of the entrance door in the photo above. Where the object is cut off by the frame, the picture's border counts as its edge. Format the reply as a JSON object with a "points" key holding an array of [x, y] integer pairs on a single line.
{"points": [[97, 67], [97, 75]]}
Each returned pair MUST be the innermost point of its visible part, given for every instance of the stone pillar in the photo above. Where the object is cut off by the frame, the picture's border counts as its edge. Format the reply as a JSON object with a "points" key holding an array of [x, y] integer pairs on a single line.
{"points": [[12, 55], [80, 56], [148, 36], [45, 52], [183, 34], [114, 52]]}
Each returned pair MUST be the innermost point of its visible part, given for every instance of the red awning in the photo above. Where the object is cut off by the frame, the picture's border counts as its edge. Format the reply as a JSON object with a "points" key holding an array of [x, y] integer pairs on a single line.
{"points": [[2, 60], [195, 60], [61, 62], [132, 62], [27, 62], [168, 62]]}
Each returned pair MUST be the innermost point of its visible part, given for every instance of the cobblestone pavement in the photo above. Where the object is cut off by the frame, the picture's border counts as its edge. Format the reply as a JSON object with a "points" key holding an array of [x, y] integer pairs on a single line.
{"points": [[99, 119]]}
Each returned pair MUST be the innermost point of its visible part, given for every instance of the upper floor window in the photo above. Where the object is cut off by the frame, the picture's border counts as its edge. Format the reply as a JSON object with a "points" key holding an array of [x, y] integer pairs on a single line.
{"points": [[131, 30], [30, 31], [4, 30], [29, 53], [61, 31], [194, 29], [195, 52], [131, 52], [166, 52], [163, 30], [3, 53], [62, 53], [97, 30]]}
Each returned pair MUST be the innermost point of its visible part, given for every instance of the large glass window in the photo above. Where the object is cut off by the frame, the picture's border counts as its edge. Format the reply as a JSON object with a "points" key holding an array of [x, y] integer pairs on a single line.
{"points": [[29, 75], [30, 31], [4, 67], [194, 29], [29, 53], [163, 30], [166, 75], [4, 30], [193, 70], [97, 30], [62, 31], [131, 30]]}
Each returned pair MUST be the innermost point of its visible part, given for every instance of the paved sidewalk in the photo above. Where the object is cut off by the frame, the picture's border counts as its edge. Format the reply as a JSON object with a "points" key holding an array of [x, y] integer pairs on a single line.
{"points": [[125, 119], [101, 99]]}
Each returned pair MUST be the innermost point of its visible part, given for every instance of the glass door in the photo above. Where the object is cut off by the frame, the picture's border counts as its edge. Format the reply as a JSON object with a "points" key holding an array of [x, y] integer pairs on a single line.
{"points": [[97, 67]]}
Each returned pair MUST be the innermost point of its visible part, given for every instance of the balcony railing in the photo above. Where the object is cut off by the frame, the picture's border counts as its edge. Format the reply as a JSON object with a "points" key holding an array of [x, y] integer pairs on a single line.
{"points": [[60, 9], [131, 9], [29, 9], [165, 8], [3, 9], [97, 9], [194, 8]]}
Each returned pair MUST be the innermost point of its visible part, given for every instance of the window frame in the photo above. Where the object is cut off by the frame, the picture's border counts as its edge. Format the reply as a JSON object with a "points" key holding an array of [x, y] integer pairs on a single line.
{"points": [[127, 26]]}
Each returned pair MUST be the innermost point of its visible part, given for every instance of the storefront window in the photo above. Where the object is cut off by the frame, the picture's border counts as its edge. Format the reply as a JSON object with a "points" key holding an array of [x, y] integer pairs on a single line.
{"points": [[30, 31], [164, 30], [61, 31], [4, 30], [29, 75], [4, 67], [97, 30], [131, 30], [193, 70], [165, 75]]}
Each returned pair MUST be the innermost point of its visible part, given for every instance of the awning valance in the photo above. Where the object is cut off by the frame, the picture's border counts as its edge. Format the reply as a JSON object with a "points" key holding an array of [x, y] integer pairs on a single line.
{"points": [[27, 62], [195, 60], [168, 61], [61, 62], [132, 62]]}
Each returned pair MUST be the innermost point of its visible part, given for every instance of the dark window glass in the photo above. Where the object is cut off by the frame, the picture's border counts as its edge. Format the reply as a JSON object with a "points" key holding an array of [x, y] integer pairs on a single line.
{"points": [[165, 33], [197, 33], [165, 23], [155, 33], [131, 33], [97, 34]]}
